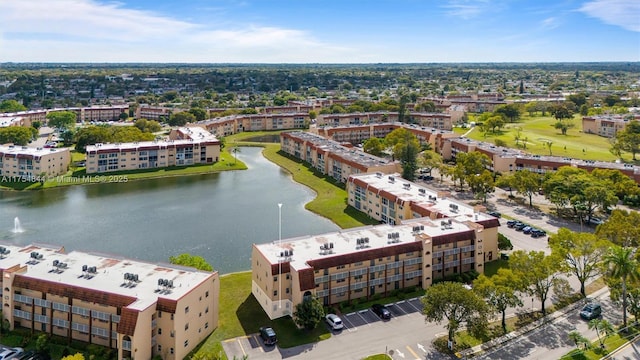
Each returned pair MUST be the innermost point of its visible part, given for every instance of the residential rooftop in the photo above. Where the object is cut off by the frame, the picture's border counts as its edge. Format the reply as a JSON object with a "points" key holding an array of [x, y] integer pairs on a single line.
{"points": [[299, 251], [105, 273], [25, 150]]}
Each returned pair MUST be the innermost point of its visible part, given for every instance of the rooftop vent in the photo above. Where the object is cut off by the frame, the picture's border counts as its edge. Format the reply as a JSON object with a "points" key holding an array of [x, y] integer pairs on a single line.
{"points": [[393, 238], [362, 243], [164, 286], [423, 192], [4, 251], [131, 280], [326, 248]]}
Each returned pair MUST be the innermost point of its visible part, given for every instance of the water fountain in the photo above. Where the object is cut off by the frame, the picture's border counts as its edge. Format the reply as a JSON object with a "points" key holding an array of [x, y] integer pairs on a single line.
{"points": [[17, 228]]}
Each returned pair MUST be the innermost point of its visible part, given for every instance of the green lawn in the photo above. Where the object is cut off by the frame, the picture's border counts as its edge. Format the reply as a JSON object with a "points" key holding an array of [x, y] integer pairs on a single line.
{"points": [[241, 315], [596, 352], [539, 130]]}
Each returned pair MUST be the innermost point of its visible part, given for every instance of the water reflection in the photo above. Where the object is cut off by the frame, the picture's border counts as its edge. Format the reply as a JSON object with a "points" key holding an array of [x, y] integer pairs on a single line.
{"points": [[217, 216]]}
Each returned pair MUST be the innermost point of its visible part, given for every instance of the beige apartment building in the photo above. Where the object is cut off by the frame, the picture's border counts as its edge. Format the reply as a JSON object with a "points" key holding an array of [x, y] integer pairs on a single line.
{"points": [[32, 164], [332, 159], [138, 309], [364, 262], [606, 125], [440, 121], [234, 124], [186, 146]]}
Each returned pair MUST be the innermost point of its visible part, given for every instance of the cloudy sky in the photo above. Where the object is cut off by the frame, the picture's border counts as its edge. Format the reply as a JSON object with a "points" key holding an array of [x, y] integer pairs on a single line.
{"points": [[319, 31]]}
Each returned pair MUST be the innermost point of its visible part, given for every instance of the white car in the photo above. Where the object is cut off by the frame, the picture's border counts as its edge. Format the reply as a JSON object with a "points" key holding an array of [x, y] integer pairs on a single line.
{"points": [[10, 353], [334, 321]]}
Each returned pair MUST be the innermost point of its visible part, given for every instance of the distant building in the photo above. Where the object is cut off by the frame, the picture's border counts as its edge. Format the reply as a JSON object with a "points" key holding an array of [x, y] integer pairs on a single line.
{"points": [[234, 124], [33, 164], [435, 238], [139, 309], [606, 125], [186, 146]]}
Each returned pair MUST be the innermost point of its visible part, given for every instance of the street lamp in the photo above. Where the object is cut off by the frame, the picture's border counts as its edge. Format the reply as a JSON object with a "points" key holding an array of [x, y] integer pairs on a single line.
{"points": [[280, 261]]}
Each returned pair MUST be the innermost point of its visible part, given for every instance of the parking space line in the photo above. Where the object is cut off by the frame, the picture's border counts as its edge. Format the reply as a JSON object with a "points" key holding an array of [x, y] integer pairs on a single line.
{"points": [[244, 353]]}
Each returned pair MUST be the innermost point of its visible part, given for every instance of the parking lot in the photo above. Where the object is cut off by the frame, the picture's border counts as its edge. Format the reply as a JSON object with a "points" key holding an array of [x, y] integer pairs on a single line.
{"points": [[253, 347], [361, 318]]}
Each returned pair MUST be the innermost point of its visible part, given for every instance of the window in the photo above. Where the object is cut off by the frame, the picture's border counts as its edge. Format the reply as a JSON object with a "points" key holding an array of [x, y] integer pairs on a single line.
{"points": [[275, 292], [159, 331], [171, 316], [186, 310], [159, 314], [287, 290], [206, 325], [171, 351], [206, 294], [206, 311], [186, 343], [159, 347], [186, 326]]}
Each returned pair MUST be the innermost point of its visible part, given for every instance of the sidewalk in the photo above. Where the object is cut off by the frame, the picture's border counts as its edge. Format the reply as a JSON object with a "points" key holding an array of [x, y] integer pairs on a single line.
{"points": [[497, 342]]}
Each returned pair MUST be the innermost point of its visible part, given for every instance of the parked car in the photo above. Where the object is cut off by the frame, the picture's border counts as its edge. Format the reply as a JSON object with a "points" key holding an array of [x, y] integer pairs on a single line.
{"points": [[334, 321], [512, 223], [268, 336], [527, 230], [536, 233], [10, 353], [591, 311], [381, 311], [519, 226], [495, 214]]}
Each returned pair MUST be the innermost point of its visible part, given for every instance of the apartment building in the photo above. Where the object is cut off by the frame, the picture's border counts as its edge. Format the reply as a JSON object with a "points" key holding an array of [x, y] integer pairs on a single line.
{"points": [[185, 146], [234, 124], [440, 121], [32, 164], [139, 309], [158, 113], [606, 125], [356, 134], [103, 113], [332, 159], [360, 263], [12, 121], [26, 117]]}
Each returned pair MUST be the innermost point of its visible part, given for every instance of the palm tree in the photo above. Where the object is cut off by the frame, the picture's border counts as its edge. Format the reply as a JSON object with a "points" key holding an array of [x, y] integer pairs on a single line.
{"points": [[235, 152], [578, 339], [602, 327], [621, 263]]}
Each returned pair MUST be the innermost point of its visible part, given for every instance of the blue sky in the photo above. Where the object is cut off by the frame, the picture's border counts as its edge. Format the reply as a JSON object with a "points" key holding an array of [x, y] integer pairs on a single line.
{"points": [[320, 31]]}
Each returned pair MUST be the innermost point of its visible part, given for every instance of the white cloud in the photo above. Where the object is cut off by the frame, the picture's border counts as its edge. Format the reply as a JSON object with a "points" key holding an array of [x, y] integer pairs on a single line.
{"points": [[466, 9], [88, 30], [623, 13], [550, 23]]}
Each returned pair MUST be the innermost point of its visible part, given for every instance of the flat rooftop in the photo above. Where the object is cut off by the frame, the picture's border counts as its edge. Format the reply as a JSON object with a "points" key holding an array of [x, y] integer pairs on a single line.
{"points": [[141, 144], [109, 276], [25, 150], [428, 198], [305, 248], [351, 154]]}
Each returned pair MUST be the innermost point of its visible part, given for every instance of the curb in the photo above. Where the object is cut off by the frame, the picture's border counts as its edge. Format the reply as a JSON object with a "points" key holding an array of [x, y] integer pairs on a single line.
{"points": [[497, 342]]}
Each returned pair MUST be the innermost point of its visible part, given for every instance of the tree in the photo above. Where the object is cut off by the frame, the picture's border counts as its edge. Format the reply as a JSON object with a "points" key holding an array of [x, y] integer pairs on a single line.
{"points": [[453, 302], [469, 165], [482, 184], [537, 273], [374, 146], [199, 113], [61, 119], [601, 326], [526, 183], [622, 228], [149, 126], [309, 313], [193, 261], [500, 292], [18, 135], [620, 263], [563, 126], [548, 143], [628, 140], [561, 112], [235, 150], [11, 106], [408, 160], [623, 185], [42, 344], [578, 339], [429, 160], [181, 118], [583, 254], [509, 111]]}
